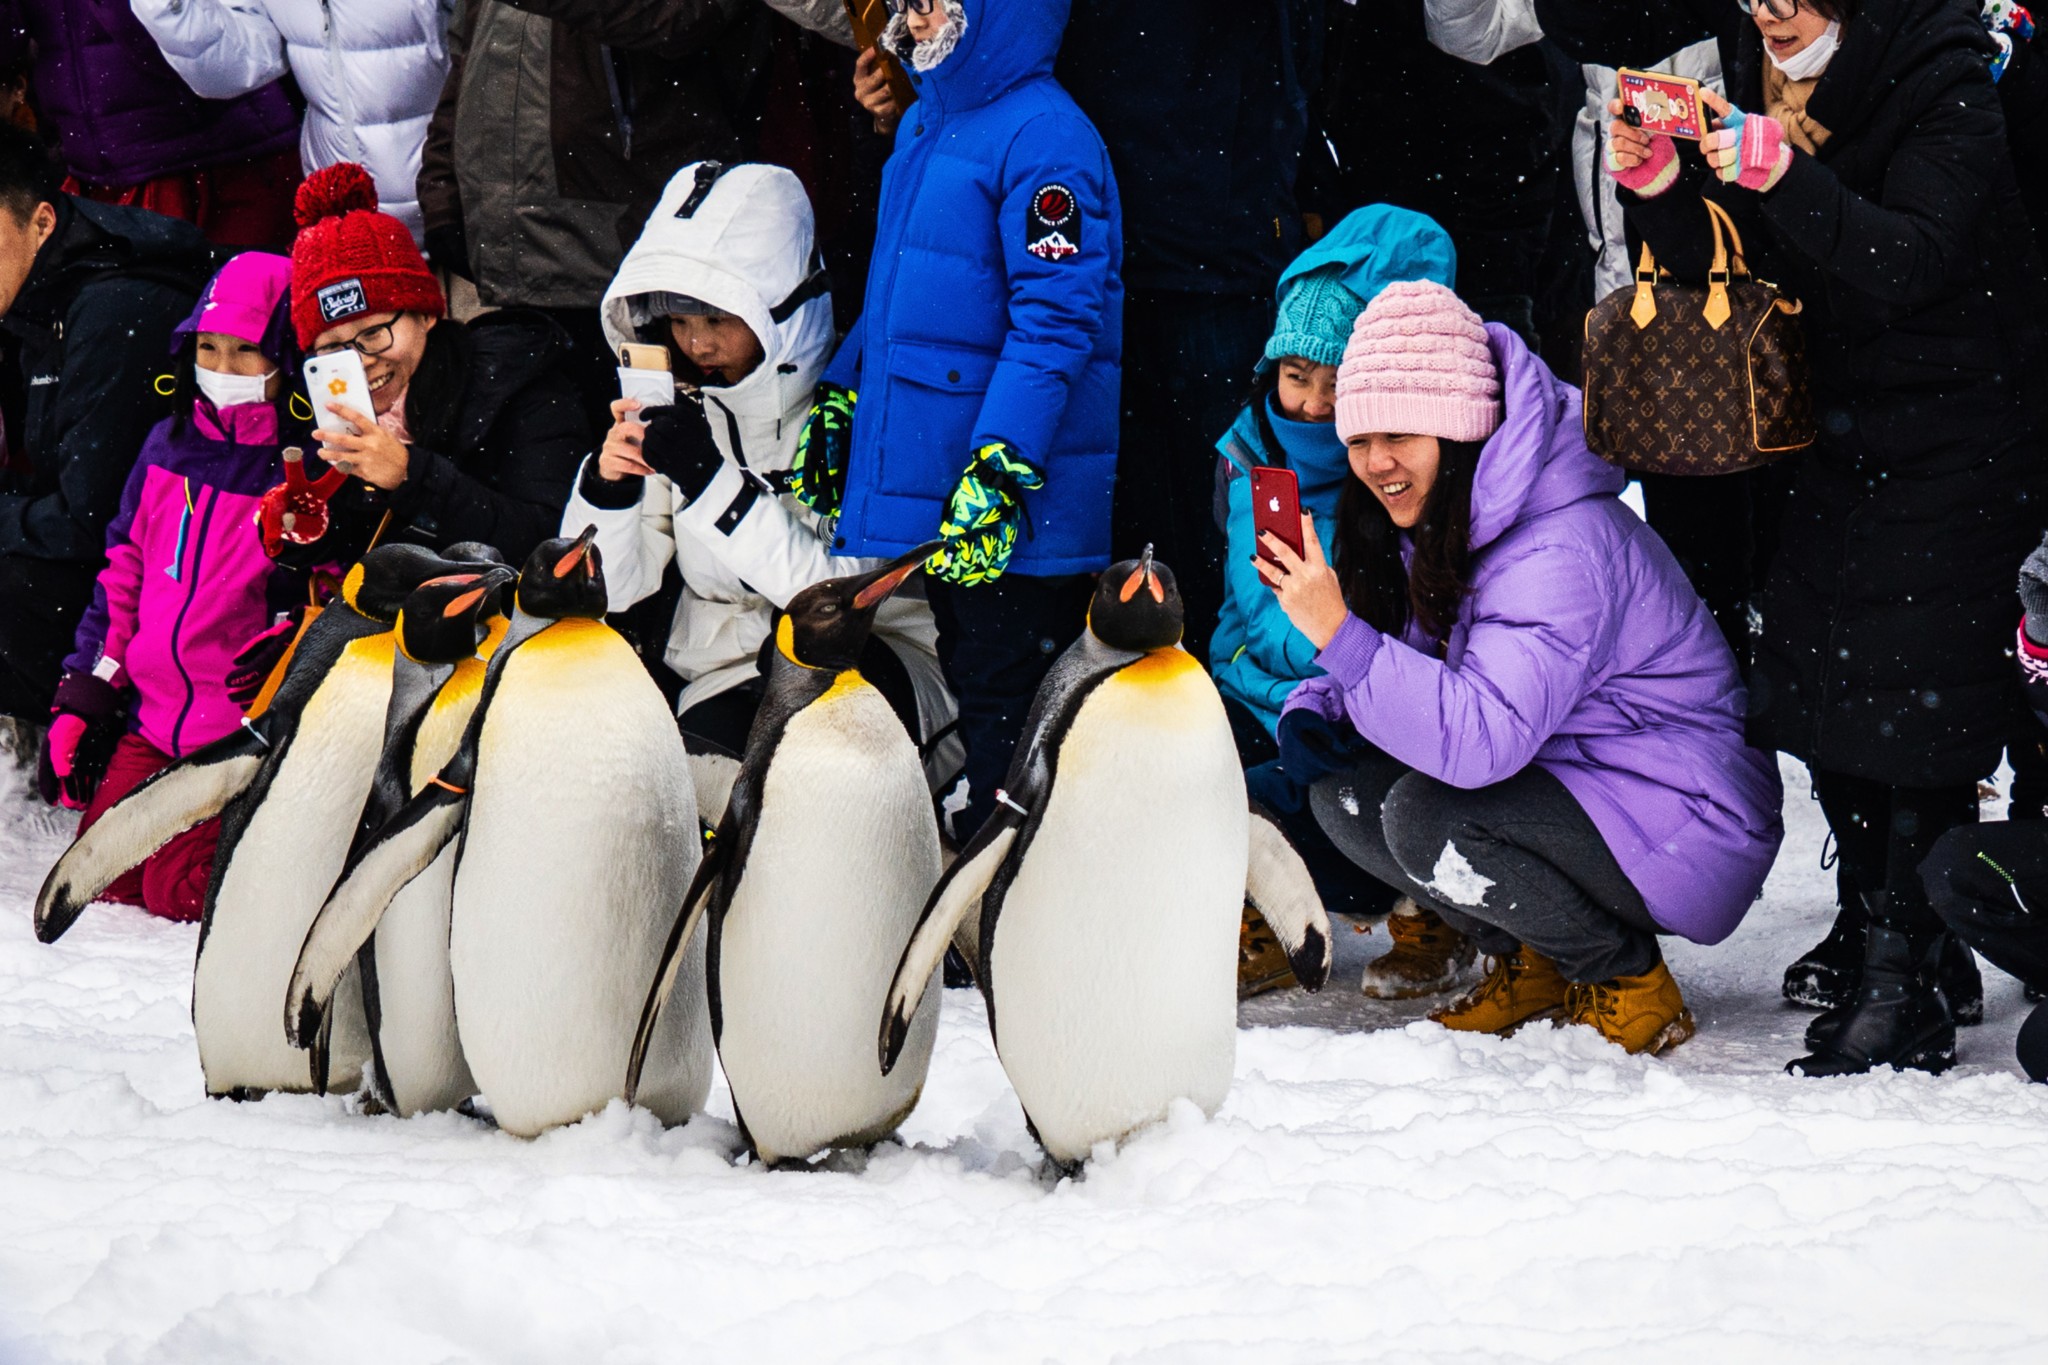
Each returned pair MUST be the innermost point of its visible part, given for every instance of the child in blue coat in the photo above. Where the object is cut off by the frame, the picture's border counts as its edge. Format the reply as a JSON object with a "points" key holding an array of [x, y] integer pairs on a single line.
{"points": [[1256, 655]]}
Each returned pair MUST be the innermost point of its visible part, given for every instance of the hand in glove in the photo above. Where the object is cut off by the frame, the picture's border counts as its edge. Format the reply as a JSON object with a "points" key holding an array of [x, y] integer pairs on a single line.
{"points": [[2034, 594], [983, 516], [817, 478], [1312, 747], [257, 660], [1644, 163], [89, 723], [1749, 150], [296, 510], [677, 445]]}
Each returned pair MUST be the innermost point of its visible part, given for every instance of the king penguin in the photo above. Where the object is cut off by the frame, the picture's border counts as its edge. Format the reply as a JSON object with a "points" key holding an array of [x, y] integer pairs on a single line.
{"points": [[288, 787], [408, 998], [826, 853], [571, 796], [1111, 881]]}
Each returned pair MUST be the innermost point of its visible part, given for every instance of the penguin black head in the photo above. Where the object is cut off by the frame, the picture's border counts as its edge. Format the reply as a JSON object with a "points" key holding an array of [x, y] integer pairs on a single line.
{"points": [[1137, 605], [382, 579], [564, 577], [441, 621], [827, 624]]}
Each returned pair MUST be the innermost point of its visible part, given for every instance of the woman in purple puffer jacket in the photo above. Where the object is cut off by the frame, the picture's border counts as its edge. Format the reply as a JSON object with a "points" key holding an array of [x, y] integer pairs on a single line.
{"points": [[187, 587], [1527, 717]]}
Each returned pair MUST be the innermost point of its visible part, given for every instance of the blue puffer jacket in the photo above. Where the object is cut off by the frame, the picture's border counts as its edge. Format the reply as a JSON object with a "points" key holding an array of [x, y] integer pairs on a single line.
{"points": [[995, 302]]}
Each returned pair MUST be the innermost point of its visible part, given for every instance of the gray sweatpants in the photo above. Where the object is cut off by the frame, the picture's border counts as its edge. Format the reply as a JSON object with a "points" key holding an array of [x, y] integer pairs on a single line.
{"points": [[1517, 862]]}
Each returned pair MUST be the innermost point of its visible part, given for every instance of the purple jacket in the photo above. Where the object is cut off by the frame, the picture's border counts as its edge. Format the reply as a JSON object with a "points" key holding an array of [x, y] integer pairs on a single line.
{"points": [[1583, 648], [121, 114]]}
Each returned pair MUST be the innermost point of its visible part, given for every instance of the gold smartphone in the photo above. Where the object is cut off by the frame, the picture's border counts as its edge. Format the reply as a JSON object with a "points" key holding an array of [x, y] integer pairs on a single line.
{"points": [[634, 356]]}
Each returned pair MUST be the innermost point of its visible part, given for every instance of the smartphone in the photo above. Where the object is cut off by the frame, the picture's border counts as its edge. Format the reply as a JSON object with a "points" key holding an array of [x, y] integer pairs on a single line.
{"points": [[337, 378], [1663, 104], [1276, 507], [644, 374]]}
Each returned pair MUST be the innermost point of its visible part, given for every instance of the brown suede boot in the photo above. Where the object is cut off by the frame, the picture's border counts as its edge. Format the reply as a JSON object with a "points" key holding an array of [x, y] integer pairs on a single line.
{"points": [[1261, 962], [1638, 1013], [1522, 986], [1427, 957]]}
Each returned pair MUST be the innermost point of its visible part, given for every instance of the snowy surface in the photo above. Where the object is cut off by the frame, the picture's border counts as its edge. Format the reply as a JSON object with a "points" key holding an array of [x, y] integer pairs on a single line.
{"points": [[1374, 1188]]}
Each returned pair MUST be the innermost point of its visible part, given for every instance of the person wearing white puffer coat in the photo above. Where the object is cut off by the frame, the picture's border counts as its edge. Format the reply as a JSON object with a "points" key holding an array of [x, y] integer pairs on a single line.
{"points": [[371, 71], [729, 245]]}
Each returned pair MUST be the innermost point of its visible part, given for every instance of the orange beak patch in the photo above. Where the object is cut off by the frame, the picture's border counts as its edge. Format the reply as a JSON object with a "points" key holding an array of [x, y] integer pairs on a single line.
{"points": [[463, 603], [566, 565], [883, 586], [1141, 578]]}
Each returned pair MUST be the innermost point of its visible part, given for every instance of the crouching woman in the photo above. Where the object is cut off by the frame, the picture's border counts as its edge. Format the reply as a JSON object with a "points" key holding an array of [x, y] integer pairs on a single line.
{"points": [[1527, 718]]}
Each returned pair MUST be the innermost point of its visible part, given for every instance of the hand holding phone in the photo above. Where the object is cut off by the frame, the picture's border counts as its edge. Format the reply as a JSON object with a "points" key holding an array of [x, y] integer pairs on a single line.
{"points": [[644, 374], [1276, 507], [1661, 104], [337, 378]]}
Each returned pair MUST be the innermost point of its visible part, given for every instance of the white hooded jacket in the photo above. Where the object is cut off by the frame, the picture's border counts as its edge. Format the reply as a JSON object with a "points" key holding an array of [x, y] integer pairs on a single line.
{"points": [[746, 248]]}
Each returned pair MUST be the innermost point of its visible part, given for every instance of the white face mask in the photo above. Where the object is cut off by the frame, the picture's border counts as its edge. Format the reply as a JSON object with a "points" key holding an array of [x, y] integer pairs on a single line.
{"points": [[1811, 60], [231, 390]]}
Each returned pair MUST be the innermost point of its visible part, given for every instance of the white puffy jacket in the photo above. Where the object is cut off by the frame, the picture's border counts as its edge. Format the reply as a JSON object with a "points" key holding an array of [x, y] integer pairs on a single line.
{"points": [[744, 551], [371, 71]]}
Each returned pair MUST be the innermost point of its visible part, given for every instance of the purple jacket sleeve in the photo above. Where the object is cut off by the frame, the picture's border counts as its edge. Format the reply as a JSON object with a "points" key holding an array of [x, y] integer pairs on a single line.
{"points": [[115, 594], [1535, 648]]}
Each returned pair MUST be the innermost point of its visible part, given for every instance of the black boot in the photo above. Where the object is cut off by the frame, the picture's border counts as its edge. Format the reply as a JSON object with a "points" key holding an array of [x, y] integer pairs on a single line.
{"points": [[1899, 1018], [1826, 975], [1955, 975]]}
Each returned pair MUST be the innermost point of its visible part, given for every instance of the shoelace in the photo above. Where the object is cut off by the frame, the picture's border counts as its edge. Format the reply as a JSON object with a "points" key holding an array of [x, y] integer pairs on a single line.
{"points": [[1586, 1001]]}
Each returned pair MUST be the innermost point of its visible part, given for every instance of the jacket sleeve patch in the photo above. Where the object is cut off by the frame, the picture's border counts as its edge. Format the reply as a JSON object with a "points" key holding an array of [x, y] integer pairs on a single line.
{"points": [[1052, 223]]}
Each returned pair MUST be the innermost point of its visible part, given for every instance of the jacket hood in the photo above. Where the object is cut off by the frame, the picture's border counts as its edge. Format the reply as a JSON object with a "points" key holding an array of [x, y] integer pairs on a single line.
{"points": [[249, 298], [1007, 43], [744, 244], [1536, 461], [1374, 247]]}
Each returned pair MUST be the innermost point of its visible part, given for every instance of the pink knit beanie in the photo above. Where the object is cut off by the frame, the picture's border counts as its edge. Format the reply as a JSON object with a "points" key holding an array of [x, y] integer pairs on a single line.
{"points": [[1418, 363]]}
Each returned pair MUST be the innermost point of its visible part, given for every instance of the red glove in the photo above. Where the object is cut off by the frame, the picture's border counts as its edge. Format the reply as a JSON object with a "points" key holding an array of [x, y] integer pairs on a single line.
{"points": [[296, 510]]}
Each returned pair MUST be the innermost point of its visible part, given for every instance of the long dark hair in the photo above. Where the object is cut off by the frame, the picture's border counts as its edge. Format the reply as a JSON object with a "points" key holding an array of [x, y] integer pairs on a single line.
{"points": [[1429, 589]]}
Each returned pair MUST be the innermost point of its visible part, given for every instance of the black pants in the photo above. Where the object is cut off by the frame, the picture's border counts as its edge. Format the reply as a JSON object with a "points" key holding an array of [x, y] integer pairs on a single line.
{"points": [[1884, 833], [996, 642], [1724, 533], [1187, 369], [1989, 885], [40, 603], [721, 724], [1519, 862]]}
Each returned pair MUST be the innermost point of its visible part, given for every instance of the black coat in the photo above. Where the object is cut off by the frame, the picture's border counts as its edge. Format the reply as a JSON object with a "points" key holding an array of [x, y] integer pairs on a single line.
{"points": [[1888, 613], [86, 343], [497, 436]]}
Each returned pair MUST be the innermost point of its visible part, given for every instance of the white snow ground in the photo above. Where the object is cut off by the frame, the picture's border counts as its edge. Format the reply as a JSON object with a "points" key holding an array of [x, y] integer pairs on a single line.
{"points": [[1374, 1188]]}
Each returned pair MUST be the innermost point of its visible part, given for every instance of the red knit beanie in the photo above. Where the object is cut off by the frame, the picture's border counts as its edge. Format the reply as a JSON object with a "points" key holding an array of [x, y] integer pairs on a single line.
{"points": [[350, 259]]}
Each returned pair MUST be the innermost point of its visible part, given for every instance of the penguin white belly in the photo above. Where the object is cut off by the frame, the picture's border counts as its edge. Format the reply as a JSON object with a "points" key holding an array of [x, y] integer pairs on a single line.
{"points": [[845, 852], [1114, 957], [581, 841], [416, 1034], [276, 879]]}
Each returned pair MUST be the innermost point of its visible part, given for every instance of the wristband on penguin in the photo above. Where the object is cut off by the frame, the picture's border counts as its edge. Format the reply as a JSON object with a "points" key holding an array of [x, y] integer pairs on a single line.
{"points": [[817, 476], [984, 515]]}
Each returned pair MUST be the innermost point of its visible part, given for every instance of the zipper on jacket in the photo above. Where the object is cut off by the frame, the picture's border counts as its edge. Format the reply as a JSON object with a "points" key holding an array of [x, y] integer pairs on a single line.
{"points": [[184, 529], [739, 447], [178, 627]]}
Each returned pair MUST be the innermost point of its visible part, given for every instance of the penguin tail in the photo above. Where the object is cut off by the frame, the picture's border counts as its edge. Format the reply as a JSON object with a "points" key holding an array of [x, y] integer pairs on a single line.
{"points": [[195, 788], [405, 847], [959, 891], [695, 901], [1278, 886]]}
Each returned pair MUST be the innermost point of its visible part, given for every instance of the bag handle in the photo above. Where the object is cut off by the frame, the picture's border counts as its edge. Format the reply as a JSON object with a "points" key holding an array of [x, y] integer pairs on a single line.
{"points": [[1644, 309], [1728, 263]]}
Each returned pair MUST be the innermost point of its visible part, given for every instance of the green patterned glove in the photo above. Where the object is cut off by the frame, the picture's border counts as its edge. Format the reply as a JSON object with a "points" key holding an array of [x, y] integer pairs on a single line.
{"points": [[817, 477], [983, 516]]}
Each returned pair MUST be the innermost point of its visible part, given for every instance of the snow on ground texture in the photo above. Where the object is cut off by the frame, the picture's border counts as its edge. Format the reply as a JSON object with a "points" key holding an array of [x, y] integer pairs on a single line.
{"points": [[1374, 1188]]}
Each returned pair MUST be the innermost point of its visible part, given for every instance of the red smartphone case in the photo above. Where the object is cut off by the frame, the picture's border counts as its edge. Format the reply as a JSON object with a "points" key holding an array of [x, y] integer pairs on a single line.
{"points": [[1276, 507], [1662, 104]]}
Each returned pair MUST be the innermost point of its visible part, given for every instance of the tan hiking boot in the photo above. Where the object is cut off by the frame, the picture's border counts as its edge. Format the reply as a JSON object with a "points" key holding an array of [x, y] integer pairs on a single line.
{"points": [[1428, 955], [1639, 1013], [1522, 986], [1261, 961]]}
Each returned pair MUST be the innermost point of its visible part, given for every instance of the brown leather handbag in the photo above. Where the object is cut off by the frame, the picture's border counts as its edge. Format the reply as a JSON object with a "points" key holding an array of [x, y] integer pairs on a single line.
{"points": [[1688, 380]]}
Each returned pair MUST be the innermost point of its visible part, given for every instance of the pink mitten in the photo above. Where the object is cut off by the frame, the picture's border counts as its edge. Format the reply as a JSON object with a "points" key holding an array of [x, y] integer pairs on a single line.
{"points": [[1651, 176], [65, 733], [1761, 153]]}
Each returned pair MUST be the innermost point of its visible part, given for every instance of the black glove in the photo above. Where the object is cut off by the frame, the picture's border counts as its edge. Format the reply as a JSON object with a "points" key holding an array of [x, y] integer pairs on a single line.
{"points": [[1312, 748], [2034, 594], [678, 446], [448, 249], [1273, 787], [258, 659], [90, 718]]}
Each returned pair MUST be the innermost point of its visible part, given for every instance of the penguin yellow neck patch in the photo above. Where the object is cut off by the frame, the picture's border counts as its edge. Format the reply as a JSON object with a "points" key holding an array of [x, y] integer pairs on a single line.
{"points": [[848, 681], [1161, 666]]}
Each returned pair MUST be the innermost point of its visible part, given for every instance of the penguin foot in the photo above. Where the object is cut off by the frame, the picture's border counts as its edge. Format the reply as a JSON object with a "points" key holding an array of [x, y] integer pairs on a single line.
{"points": [[475, 1108], [240, 1094]]}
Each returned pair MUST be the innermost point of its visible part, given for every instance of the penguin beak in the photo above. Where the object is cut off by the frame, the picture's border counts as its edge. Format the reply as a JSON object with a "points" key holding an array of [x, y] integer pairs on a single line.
{"points": [[1142, 577], [579, 554], [486, 583], [890, 576]]}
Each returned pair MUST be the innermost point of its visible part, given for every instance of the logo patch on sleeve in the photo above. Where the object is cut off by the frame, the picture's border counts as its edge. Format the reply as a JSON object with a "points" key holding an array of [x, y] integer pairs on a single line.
{"points": [[1052, 223], [342, 299]]}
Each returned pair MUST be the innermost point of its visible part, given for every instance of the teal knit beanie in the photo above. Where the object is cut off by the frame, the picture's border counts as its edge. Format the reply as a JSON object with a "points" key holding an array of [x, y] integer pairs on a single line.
{"points": [[1314, 320]]}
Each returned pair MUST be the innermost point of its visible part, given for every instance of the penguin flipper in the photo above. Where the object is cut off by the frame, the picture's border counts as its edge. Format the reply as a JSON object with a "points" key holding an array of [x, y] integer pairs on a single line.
{"points": [[404, 848], [197, 787], [695, 902], [1278, 886], [959, 891]]}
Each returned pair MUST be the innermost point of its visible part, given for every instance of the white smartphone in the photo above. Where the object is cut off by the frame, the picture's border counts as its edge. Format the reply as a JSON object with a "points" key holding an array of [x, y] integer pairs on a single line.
{"points": [[644, 374], [337, 378]]}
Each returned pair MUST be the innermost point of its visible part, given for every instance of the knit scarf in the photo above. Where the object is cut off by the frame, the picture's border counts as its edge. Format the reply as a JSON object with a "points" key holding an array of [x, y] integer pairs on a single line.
{"points": [[1785, 100]]}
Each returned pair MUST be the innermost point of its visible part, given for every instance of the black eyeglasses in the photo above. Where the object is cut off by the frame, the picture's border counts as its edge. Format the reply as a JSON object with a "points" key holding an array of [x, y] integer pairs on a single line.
{"points": [[370, 341], [914, 6], [1778, 9]]}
